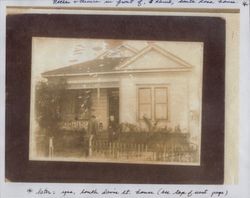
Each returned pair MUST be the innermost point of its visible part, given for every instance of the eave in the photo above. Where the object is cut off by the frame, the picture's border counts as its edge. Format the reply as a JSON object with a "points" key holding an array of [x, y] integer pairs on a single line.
{"points": [[187, 69]]}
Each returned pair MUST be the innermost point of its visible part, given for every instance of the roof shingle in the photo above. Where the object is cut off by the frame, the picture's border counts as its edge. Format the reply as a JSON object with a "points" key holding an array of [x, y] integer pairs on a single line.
{"points": [[92, 66]]}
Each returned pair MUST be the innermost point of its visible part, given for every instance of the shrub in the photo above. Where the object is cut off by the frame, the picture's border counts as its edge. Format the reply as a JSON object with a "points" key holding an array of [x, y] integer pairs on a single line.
{"points": [[48, 99]]}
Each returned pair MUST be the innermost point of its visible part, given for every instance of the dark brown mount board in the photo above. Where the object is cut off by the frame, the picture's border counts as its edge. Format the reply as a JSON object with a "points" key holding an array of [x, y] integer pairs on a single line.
{"points": [[19, 32]]}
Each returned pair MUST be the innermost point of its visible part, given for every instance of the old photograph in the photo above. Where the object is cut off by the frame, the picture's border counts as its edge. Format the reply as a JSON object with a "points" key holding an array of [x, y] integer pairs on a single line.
{"points": [[117, 101]]}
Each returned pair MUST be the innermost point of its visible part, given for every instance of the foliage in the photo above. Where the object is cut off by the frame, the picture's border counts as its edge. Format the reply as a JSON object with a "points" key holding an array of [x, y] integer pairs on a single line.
{"points": [[69, 139], [151, 126], [48, 99], [152, 135], [128, 127], [152, 139], [83, 104]]}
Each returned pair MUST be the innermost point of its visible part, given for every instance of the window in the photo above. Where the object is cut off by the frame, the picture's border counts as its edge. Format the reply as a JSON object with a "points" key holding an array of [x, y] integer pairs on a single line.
{"points": [[145, 103], [160, 103], [153, 106]]}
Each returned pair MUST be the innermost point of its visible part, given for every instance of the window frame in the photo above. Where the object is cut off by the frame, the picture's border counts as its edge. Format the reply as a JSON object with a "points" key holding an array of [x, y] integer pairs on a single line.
{"points": [[166, 103], [153, 101], [139, 104]]}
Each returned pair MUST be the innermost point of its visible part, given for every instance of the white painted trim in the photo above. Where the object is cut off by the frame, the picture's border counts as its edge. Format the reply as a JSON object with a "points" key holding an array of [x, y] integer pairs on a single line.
{"points": [[122, 72], [160, 50], [115, 48], [152, 88]]}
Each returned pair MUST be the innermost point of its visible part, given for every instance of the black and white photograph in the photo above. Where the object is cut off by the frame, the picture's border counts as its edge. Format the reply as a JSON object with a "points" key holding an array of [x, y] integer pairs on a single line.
{"points": [[119, 101]]}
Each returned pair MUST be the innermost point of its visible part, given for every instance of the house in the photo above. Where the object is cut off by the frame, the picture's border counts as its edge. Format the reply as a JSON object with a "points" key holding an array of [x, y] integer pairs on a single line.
{"points": [[126, 84]]}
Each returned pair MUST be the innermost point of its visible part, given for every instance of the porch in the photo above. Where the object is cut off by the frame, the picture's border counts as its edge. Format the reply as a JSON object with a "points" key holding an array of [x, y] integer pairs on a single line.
{"points": [[80, 104]]}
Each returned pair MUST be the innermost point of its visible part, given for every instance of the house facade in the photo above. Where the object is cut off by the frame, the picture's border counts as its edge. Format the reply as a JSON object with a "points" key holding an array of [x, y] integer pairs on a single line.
{"points": [[126, 85]]}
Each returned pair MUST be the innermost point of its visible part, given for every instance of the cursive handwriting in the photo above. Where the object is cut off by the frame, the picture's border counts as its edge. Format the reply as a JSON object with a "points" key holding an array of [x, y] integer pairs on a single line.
{"points": [[180, 193], [89, 1], [144, 2], [161, 1], [126, 192], [218, 194], [175, 193], [42, 191], [61, 2], [163, 192], [139, 191], [186, 1], [94, 191], [206, 1], [226, 1], [124, 2], [107, 191], [67, 192]]}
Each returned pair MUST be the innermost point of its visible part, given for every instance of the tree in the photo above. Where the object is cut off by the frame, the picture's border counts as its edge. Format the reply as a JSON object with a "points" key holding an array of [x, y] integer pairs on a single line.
{"points": [[48, 100]]}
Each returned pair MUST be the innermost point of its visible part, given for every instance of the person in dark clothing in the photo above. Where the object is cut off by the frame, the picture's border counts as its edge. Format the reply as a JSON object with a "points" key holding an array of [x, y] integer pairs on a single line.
{"points": [[113, 128], [91, 133], [92, 126]]}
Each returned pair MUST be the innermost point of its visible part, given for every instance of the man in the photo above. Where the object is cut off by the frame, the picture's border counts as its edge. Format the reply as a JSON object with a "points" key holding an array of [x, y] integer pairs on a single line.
{"points": [[92, 126], [92, 132], [113, 128]]}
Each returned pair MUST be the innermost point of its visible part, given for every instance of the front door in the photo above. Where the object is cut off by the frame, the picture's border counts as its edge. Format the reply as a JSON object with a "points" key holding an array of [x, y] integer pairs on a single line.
{"points": [[113, 98]]}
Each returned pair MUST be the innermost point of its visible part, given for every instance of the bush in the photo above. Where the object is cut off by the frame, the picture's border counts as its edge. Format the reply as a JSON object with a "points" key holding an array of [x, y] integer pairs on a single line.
{"points": [[153, 138]]}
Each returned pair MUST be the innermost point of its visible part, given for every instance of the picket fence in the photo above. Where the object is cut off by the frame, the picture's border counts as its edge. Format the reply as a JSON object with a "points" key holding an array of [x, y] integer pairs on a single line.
{"points": [[144, 152]]}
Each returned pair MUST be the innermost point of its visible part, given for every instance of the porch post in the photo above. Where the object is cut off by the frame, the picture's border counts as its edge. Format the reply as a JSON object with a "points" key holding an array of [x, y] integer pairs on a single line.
{"points": [[98, 96], [90, 145]]}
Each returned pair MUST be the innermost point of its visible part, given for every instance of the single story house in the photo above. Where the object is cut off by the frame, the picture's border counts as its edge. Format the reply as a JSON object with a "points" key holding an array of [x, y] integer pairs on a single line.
{"points": [[126, 85]]}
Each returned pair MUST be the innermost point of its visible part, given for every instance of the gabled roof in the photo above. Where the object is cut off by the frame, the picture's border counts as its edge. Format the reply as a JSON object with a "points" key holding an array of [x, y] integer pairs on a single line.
{"points": [[92, 66], [173, 61], [118, 49], [105, 65]]}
